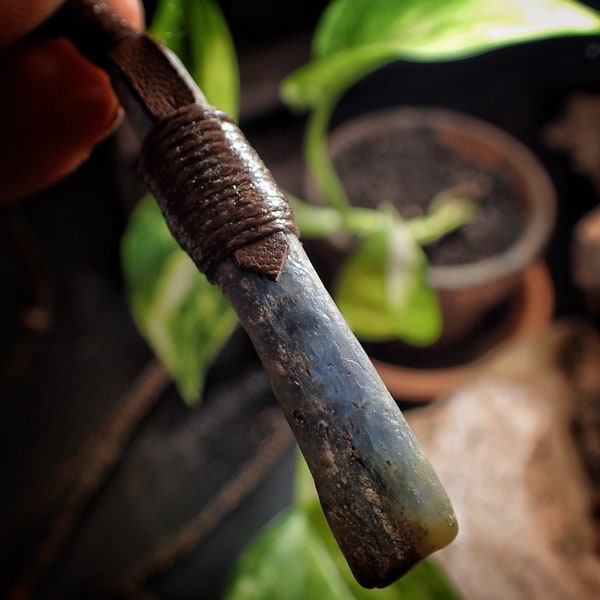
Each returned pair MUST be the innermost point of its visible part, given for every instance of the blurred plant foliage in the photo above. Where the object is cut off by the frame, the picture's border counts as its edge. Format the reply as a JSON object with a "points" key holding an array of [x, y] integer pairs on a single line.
{"points": [[383, 289], [296, 557], [354, 38], [184, 318]]}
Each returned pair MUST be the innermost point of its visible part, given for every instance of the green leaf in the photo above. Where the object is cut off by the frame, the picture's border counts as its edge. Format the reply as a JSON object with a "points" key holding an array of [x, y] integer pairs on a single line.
{"points": [[297, 557], [382, 288], [323, 81], [213, 58], [184, 318], [288, 561], [354, 37], [169, 26], [197, 32], [440, 30]]}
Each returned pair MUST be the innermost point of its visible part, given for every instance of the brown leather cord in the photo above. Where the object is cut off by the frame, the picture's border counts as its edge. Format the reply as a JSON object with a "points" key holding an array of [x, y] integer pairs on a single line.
{"points": [[217, 195], [141, 64]]}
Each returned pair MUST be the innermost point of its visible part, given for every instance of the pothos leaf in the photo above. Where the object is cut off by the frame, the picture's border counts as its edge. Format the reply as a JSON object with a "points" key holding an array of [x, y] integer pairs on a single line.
{"points": [[197, 32], [297, 557], [213, 59], [382, 288], [184, 318], [287, 561], [169, 26], [354, 37], [435, 30]]}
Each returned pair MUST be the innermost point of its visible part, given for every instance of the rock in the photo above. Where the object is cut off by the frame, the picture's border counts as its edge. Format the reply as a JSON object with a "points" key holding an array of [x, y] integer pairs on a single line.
{"points": [[503, 446]]}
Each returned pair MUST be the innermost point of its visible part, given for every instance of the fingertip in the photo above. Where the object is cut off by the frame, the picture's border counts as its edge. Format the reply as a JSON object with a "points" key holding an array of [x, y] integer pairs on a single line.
{"points": [[131, 10], [55, 108]]}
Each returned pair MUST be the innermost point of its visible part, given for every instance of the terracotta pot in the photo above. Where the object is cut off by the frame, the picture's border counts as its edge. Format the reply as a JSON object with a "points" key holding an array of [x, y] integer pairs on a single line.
{"points": [[481, 300]]}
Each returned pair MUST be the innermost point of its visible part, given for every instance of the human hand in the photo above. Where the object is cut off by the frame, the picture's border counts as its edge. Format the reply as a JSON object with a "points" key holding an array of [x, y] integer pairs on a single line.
{"points": [[54, 105]]}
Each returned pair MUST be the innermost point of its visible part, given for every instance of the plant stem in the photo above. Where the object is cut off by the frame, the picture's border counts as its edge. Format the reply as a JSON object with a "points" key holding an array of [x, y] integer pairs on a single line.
{"points": [[444, 219], [364, 222], [319, 162]]}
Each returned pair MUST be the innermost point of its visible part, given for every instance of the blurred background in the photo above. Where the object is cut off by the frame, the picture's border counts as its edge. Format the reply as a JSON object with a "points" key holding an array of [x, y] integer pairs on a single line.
{"points": [[81, 391]]}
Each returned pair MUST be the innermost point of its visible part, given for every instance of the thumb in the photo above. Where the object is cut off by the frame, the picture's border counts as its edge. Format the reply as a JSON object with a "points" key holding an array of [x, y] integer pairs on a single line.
{"points": [[54, 107]]}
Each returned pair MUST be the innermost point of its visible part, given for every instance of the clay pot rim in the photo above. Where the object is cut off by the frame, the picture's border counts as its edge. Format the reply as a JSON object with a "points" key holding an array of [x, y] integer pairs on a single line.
{"points": [[540, 191]]}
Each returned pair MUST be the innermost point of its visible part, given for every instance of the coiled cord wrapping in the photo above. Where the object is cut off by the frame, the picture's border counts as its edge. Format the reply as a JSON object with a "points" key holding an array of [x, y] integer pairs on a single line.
{"points": [[217, 196]]}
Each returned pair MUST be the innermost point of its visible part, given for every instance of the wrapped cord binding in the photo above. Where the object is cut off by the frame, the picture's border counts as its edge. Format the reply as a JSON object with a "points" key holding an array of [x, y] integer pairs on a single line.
{"points": [[216, 194]]}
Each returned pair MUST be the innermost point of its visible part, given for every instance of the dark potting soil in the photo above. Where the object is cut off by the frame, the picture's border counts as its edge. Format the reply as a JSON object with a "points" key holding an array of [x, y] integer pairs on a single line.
{"points": [[408, 171]]}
